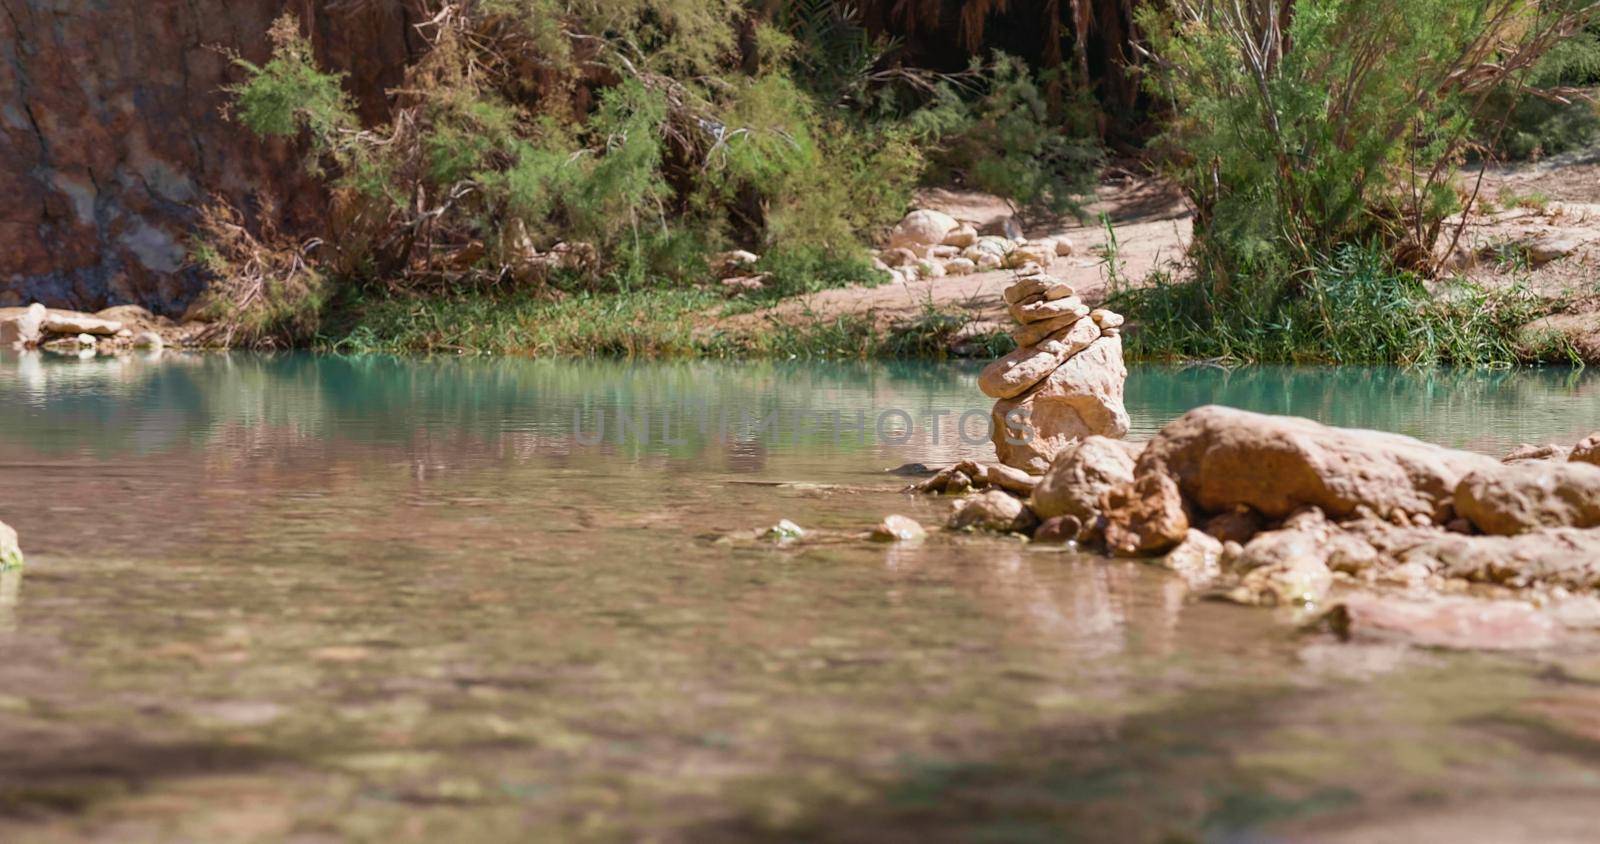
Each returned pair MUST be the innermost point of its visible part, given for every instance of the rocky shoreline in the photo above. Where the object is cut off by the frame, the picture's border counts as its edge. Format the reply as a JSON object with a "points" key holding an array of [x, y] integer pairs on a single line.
{"points": [[111, 331], [1366, 532]]}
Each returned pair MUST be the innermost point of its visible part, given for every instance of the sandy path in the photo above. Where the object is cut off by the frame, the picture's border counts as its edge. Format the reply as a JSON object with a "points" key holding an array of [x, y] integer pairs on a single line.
{"points": [[1151, 226]]}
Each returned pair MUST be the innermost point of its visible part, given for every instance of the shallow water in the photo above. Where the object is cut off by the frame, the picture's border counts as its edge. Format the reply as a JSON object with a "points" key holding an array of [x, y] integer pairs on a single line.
{"points": [[313, 599]]}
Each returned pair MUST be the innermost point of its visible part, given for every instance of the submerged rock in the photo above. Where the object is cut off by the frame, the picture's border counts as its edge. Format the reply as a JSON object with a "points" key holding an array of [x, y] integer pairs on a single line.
{"points": [[1443, 622], [1222, 458], [1058, 530], [1520, 497], [1144, 517], [993, 510], [10, 551], [896, 528]]}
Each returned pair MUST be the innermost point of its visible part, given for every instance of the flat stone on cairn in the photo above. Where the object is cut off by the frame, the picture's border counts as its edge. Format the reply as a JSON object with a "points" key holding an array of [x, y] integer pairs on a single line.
{"points": [[1064, 381]]}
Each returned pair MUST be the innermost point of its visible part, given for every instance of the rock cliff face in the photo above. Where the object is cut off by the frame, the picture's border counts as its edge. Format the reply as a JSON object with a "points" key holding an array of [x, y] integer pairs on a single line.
{"points": [[111, 132]]}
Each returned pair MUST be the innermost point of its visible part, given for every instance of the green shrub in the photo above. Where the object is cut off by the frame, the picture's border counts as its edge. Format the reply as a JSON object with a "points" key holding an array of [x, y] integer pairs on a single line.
{"points": [[1561, 116], [1001, 138], [1339, 125]]}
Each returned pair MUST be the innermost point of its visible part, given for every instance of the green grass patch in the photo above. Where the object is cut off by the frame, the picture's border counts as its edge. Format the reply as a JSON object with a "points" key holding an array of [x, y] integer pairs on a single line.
{"points": [[644, 323], [650, 322], [1352, 310]]}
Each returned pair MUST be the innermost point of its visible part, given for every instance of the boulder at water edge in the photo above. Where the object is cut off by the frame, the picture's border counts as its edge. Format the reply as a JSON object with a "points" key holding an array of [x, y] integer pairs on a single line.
{"points": [[1222, 457]]}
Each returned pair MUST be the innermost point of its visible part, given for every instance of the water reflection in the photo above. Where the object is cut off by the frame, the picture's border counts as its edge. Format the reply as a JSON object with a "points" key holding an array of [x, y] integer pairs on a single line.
{"points": [[411, 588], [729, 415]]}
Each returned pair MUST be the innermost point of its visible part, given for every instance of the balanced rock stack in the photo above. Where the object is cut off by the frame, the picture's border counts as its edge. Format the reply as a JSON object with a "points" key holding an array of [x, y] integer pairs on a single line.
{"points": [[1063, 382]]}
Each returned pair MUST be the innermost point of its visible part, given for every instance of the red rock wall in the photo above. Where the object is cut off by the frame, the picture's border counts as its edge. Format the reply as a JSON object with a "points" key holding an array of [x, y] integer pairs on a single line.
{"points": [[111, 132]]}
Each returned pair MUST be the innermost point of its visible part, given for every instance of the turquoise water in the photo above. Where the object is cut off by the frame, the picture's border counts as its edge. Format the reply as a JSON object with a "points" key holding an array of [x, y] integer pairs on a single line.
{"points": [[303, 598]]}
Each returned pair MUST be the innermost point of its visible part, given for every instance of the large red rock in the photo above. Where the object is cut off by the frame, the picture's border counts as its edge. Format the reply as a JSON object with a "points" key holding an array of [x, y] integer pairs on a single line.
{"points": [[1144, 517], [111, 131], [1222, 457]]}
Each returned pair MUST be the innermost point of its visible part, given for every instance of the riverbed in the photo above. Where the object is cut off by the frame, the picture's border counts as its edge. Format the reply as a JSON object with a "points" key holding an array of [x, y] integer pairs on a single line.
{"points": [[324, 598]]}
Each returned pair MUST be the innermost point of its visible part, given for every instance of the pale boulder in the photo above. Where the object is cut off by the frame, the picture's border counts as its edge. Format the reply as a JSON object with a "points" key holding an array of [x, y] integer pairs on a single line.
{"points": [[1043, 309], [900, 257], [1197, 558], [1064, 247], [1105, 318], [25, 329], [1567, 557], [1042, 253], [1036, 332], [148, 340], [1552, 248], [1026, 288], [997, 246], [68, 322], [896, 528], [921, 229], [733, 262], [10, 551]]}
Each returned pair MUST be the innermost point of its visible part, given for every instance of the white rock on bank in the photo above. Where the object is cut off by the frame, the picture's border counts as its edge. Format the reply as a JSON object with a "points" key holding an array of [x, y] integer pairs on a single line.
{"points": [[921, 229], [68, 323]]}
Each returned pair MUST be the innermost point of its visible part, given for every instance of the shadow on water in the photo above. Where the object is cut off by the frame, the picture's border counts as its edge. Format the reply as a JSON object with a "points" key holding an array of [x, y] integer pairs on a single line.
{"points": [[1164, 775]]}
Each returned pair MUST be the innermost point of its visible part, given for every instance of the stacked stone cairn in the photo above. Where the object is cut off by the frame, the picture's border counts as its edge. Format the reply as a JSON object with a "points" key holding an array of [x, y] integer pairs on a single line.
{"points": [[1062, 387], [1064, 381]]}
